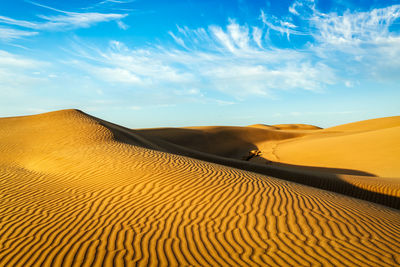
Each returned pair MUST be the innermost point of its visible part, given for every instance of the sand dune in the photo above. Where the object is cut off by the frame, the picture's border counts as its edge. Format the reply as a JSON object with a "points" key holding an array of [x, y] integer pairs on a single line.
{"points": [[296, 127], [77, 190], [339, 161], [231, 142], [368, 125], [369, 147]]}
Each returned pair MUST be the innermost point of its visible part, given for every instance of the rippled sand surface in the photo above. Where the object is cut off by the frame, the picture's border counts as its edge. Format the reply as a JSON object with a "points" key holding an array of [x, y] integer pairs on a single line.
{"points": [[76, 190]]}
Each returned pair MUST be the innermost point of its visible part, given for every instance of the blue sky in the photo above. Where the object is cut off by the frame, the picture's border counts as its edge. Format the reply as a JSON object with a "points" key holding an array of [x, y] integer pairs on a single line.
{"points": [[185, 63]]}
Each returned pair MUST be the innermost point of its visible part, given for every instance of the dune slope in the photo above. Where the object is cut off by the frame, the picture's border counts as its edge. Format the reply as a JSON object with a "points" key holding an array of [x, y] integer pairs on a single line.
{"points": [[366, 148], [372, 146], [340, 161], [225, 141], [76, 190]]}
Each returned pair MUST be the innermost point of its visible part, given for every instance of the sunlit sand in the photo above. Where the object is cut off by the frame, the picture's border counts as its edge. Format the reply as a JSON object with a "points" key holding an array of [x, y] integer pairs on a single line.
{"points": [[77, 190]]}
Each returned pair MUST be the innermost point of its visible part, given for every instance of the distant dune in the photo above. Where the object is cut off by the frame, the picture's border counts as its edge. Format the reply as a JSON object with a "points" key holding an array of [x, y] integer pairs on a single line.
{"points": [[369, 125], [231, 142], [78, 190], [369, 147], [296, 127]]}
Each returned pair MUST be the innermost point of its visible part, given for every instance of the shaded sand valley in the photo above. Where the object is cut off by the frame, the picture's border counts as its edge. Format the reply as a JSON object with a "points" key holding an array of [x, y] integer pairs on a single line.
{"points": [[80, 191]]}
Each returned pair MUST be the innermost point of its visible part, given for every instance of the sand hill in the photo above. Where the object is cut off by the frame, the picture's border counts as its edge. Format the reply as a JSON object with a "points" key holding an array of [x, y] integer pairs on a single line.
{"points": [[367, 148], [370, 146], [77, 190]]}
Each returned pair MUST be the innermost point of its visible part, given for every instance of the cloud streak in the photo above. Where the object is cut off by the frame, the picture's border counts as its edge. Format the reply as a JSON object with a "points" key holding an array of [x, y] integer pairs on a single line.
{"points": [[9, 34], [362, 40], [355, 28], [16, 75], [65, 20], [8, 60], [232, 61], [238, 60]]}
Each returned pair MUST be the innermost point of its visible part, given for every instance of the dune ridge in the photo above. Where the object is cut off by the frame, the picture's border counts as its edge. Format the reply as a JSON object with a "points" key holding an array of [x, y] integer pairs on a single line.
{"points": [[368, 125], [80, 191], [286, 126]]}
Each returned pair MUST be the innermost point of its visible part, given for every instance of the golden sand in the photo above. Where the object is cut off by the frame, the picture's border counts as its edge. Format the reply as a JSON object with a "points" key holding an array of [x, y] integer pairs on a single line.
{"points": [[76, 190]]}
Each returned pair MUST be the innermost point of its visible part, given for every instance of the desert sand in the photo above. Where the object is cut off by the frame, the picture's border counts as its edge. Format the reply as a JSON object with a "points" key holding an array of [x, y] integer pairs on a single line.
{"points": [[80, 191], [369, 148]]}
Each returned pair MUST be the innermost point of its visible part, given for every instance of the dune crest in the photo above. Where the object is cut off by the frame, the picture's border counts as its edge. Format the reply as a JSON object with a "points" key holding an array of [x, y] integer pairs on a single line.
{"points": [[368, 125], [79, 191], [296, 127]]}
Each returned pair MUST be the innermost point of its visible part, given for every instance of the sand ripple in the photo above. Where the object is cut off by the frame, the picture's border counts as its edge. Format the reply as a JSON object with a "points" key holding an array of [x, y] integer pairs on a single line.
{"points": [[76, 196]]}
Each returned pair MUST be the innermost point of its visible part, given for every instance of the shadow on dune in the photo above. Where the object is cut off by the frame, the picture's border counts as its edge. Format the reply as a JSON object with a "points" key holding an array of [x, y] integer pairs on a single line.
{"points": [[226, 141], [322, 170], [323, 178], [234, 145]]}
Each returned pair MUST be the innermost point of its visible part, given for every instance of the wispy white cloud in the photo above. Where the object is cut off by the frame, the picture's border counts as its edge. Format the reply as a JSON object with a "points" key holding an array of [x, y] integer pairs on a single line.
{"points": [[75, 20], [239, 35], [292, 9], [22, 23], [353, 43], [231, 60], [16, 75], [362, 41], [284, 27], [65, 20], [116, 75], [257, 35], [237, 60], [223, 38], [9, 34], [122, 25], [303, 7], [178, 40], [121, 5], [116, 2], [8, 61], [354, 28]]}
